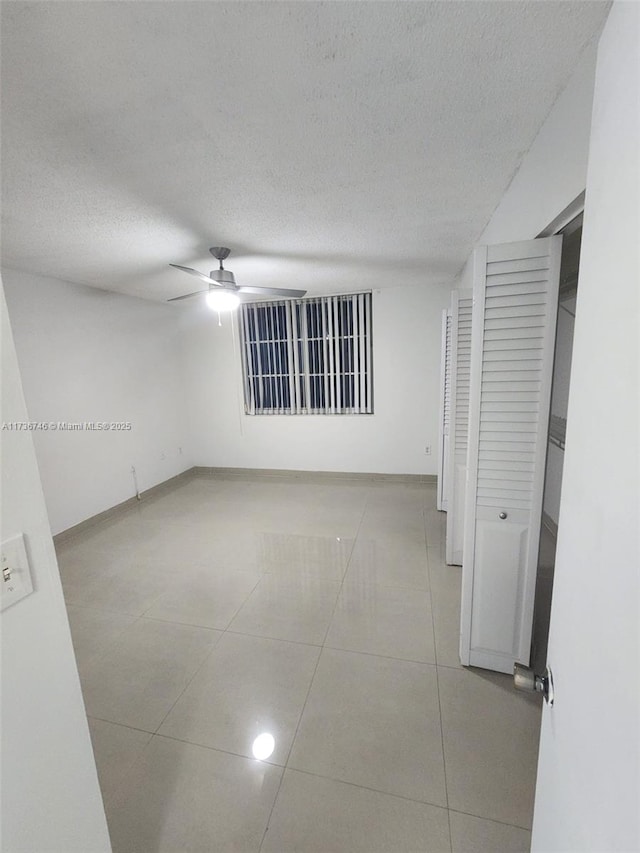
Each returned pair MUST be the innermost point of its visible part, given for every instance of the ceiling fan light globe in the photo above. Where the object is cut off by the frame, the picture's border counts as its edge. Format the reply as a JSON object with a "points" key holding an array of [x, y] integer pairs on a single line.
{"points": [[222, 300]]}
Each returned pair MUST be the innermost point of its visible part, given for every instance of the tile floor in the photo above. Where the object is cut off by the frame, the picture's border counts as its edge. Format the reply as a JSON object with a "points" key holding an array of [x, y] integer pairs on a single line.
{"points": [[318, 612]]}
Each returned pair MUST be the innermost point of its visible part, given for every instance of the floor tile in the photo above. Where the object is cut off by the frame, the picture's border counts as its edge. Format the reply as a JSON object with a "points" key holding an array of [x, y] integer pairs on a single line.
{"points": [[82, 565], [93, 631], [390, 561], [399, 495], [116, 750], [285, 562], [129, 590], [375, 722], [303, 518], [182, 797], [204, 597], [315, 815], [298, 609], [320, 557], [199, 543], [438, 550], [435, 526], [249, 686], [446, 592], [383, 620], [409, 524], [477, 835], [491, 745], [144, 672]]}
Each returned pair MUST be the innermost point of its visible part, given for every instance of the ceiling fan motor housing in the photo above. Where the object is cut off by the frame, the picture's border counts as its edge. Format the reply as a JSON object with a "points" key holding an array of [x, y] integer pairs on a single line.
{"points": [[225, 277]]}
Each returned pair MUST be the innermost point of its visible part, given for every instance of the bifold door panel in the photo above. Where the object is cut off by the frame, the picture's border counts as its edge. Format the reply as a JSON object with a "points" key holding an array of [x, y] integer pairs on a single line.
{"points": [[445, 413], [461, 307], [515, 299]]}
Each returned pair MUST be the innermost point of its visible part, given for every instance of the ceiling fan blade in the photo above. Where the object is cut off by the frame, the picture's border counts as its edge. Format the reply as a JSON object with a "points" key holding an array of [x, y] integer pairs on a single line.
{"points": [[273, 291], [200, 275], [188, 295]]}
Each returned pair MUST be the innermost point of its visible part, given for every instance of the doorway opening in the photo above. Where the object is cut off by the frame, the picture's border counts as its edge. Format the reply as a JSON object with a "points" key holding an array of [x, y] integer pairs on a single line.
{"points": [[569, 268]]}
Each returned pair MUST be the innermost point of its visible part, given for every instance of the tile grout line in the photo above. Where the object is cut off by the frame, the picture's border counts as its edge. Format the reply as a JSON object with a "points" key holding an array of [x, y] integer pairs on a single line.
{"points": [[284, 767], [207, 657], [492, 820], [344, 574], [121, 725], [305, 772], [218, 631], [182, 692], [304, 705], [227, 629], [377, 791], [435, 652]]}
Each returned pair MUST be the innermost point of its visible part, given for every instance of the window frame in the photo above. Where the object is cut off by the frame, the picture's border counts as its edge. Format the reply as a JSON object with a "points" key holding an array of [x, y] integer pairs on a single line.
{"points": [[311, 356]]}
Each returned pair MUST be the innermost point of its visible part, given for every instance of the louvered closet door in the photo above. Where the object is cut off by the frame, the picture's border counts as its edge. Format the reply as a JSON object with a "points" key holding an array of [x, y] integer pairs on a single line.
{"points": [[445, 412], [514, 320], [461, 305]]}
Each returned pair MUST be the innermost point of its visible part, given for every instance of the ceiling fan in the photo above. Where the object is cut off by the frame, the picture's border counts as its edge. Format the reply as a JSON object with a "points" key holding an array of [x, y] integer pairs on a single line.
{"points": [[222, 294]]}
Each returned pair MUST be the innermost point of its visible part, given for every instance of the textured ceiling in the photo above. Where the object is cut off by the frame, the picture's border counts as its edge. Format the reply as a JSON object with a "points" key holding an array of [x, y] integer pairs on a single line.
{"points": [[332, 145]]}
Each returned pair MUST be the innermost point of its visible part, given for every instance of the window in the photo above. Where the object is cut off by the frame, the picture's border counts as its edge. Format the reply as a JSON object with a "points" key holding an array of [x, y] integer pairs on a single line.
{"points": [[308, 356]]}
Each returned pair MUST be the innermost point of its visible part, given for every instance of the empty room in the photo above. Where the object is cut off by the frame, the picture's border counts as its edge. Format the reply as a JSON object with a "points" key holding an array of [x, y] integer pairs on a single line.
{"points": [[320, 472]]}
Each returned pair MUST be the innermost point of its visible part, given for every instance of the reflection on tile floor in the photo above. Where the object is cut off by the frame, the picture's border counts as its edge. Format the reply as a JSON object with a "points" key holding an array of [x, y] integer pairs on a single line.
{"points": [[271, 664]]}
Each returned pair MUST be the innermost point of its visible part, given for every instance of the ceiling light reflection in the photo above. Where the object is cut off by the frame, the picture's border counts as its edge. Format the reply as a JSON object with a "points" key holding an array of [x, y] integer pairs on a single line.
{"points": [[263, 746]]}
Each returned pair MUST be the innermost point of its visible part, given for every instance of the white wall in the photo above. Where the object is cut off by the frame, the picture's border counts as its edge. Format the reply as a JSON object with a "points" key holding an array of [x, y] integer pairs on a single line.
{"points": [[588, 787], [552, 173], [50, 796], [406, 366], [91, 355]]}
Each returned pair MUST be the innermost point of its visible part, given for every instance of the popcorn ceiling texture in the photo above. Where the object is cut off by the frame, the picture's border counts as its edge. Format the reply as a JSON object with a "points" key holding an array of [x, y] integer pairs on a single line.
{"points": [[332, 146]]}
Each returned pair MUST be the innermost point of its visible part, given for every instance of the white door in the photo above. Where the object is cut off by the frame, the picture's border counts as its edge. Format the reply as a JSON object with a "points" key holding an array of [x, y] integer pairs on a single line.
{"points": [[445, 413], [515, 300], [461, 305], [588, 790]]}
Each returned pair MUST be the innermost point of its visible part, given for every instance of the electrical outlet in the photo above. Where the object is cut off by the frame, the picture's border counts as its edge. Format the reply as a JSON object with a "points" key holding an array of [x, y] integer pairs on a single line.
{"points": [[163, 456], [427, 449], [179, 451]]}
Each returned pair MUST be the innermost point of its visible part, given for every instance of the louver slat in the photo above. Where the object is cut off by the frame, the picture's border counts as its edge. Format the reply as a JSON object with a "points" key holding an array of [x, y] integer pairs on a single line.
{"points": [[442, 492], [463, 373], [447, 373], [461, 319]]}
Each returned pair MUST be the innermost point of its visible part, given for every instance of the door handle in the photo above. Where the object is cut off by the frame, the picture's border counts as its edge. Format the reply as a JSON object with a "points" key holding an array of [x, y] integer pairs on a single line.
{"points": [[524, 678], [502, 515]]}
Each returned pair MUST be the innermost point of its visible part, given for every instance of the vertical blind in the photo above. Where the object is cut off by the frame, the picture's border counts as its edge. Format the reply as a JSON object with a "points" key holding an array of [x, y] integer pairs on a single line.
{"points": [[308, 356]]}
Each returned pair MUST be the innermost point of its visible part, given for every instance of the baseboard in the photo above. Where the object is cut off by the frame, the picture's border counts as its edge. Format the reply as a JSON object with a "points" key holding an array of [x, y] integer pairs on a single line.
{"points": [[550, 524], [287, 474], [154, 491]]}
